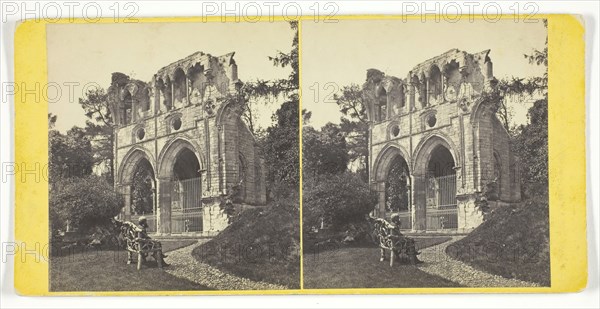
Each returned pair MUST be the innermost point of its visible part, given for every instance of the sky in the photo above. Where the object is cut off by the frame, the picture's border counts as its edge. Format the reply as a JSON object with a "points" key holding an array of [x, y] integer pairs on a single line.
{"points": [[339, 54], [88, 54]]}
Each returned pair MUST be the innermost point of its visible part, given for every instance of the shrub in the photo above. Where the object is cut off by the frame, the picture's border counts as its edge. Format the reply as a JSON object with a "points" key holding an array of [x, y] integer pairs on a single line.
{"points": [[338, 198], [83, 202]]}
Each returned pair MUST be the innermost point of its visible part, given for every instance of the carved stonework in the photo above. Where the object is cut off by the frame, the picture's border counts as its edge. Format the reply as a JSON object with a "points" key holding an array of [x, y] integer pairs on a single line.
{"points": [[168, 127], [446, 124]]}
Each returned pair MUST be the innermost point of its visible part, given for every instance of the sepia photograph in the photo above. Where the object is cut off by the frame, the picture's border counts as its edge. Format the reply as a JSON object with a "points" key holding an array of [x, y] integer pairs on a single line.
{"points": [[174, 162], [299, 153], [425, 154]]}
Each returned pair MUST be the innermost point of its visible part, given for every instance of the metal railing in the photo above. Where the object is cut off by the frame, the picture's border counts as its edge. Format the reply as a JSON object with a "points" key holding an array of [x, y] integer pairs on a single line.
{"points": [[441, 209], [188, 221], [442, 219], [186, 206]]}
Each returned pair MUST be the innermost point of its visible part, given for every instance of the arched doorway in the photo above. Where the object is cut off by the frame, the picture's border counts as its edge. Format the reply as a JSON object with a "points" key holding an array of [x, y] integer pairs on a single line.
{"points": [[186, 195], [392, 182], [143, 194], [434, 184], [397, 191], [440, 190], [136, 183]]}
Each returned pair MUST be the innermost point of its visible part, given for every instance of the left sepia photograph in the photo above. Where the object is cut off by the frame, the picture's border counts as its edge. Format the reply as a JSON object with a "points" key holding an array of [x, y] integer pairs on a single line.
{"points": [[174, 156]]}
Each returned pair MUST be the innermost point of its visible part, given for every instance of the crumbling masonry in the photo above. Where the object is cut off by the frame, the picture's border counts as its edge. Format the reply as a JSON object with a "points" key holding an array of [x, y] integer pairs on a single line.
{"points": [[437, 129], [185, 127]]}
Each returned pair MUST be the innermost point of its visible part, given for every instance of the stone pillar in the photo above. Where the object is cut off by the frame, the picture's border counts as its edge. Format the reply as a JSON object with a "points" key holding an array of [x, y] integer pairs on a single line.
{"points": [[381, 193], [419, 204], [172, 94], [156, 105], [163, 213], [134, 110], [125, 190], [411, 97], [187, 90], [409, 201], [413, 208], [427, 91]]}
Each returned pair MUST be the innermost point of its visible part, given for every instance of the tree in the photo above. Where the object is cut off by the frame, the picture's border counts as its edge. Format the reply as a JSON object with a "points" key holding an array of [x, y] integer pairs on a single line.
{"points": [[142, 189], [99, 126], [325, 151], [530, 141], [396, 187], [70, 155], [336, 198], [51, 121], [280, 142], [355, 125], [84, 202], [280, 146], [260, 90]]}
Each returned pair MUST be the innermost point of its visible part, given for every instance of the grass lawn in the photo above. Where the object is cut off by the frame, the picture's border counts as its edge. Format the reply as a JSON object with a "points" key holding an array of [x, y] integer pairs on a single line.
{"points": [[359, 267], [107, 270]]}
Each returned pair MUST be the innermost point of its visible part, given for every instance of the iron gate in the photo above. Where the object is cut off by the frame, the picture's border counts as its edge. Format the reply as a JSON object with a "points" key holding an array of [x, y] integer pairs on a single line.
{"points": [[440, 195], [186, 206]]}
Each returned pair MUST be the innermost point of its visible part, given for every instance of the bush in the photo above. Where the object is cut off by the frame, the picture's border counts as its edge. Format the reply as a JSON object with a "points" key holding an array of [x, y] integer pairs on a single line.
{"points": [[83, 202], [338, 199]]}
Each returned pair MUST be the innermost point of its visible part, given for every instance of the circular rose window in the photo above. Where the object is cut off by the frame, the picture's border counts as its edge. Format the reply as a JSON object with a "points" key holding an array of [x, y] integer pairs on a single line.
{"points": [[431, 120], [176, 124], [141, 133]]}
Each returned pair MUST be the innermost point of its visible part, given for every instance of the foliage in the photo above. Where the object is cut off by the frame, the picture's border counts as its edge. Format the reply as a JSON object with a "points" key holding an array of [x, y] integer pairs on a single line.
{"points": [[252, 91], [396, 188], [70, 155], [280, 141], [51, 121], [529, 141], [280, 146], [531, 146], [142, 191], [83, 202], [99, 126], [324, 151], [355, 125], [337, 198]]}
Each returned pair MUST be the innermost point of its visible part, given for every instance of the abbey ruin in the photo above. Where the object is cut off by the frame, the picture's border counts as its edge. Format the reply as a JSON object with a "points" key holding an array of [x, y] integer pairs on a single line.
{"points": [[184, 129], [436, 144]]}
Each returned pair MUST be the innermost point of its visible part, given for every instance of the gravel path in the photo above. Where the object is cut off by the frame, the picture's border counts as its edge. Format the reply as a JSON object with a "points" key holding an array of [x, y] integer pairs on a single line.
{"points": [[437, 262], [184, 265]]}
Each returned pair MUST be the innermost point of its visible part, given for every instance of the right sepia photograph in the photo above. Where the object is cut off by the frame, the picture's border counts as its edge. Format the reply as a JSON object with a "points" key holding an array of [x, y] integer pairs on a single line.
{"points": [[425, 153]]}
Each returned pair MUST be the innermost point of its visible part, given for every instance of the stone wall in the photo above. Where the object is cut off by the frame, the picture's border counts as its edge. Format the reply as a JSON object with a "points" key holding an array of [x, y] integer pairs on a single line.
{"points": [[441, 103], [191, 104]]}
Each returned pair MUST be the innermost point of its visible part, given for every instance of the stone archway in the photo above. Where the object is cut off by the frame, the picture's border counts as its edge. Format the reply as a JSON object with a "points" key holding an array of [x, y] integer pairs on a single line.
{"points": [[136, 183], [391, 173], [180, 188], [434, 189]]}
